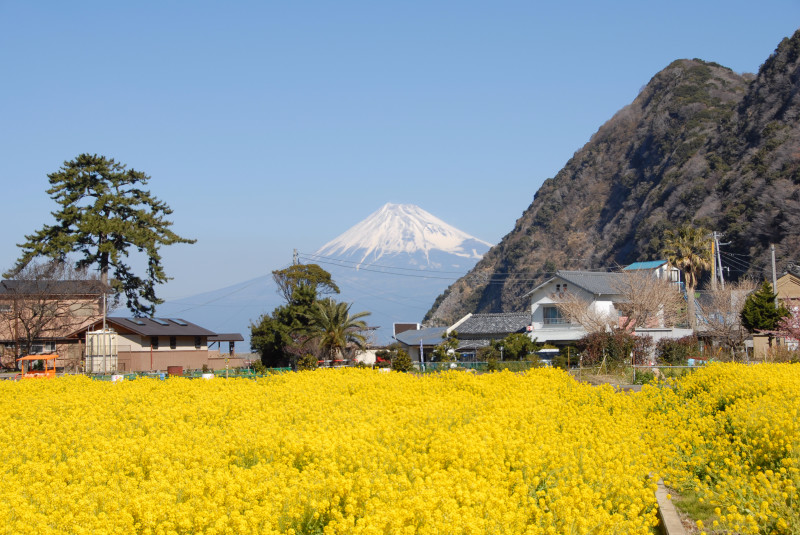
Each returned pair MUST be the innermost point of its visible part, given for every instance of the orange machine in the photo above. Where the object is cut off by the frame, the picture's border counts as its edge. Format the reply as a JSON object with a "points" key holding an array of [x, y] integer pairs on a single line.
{"points": [[48, 372]]}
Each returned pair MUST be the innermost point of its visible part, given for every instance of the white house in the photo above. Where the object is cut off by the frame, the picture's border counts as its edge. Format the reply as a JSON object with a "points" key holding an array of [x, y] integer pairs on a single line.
{"points": [[547, 322], [600, 290]]}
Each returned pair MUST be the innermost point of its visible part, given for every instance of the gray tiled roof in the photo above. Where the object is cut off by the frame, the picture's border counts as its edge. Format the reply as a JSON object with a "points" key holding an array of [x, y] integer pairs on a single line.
{"points": [[479, 324], [596, 282]]}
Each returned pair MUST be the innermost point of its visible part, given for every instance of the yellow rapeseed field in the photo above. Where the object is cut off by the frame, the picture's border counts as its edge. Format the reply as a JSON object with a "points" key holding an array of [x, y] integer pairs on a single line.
{"points": [[356, 451]]}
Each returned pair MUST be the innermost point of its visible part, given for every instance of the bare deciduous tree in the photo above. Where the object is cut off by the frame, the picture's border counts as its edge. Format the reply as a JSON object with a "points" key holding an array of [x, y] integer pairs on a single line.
{"points": [[648, 301], [45, 302], [722, 309], [642, 300], [578, 310]]}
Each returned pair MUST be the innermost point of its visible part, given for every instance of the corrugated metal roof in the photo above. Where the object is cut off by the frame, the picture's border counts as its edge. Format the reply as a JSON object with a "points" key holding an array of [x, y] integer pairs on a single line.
{"points": [[431, 336], [501, 324], [650, 264], [595, 282]]}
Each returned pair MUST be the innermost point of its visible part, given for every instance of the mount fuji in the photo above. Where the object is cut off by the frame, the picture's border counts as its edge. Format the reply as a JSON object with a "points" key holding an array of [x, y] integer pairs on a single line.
{"points": [[409, 234], [392, 264], [395, 263]]}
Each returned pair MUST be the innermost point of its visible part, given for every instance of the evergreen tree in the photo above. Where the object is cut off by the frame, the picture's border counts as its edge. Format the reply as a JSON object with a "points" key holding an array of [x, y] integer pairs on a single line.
{"points": [[304, 274], [760, 312], [275, 335], [105, 212]]}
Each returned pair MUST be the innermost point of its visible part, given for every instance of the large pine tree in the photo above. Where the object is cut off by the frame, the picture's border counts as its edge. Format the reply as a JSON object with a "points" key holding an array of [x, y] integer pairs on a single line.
{"points": [[103, 213]]}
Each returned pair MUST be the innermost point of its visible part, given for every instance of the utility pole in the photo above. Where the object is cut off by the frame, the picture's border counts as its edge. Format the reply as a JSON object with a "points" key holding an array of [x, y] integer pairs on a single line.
{"points": [[719, 259], [713, 260], [774, 276]]}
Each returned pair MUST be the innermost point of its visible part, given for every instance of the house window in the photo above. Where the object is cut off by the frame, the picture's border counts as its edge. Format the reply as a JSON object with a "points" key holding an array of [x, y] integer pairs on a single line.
{"points": [[552, 316], [173, 342], [197, 342], [154, 342], [43, 347], [5, 308]]}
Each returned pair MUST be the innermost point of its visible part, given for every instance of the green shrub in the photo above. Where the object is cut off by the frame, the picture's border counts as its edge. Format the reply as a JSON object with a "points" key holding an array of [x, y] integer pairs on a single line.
{"points": [[677, 352], [259, 368], [307, 362], [643, 378], [402, 362], [560, 361]]}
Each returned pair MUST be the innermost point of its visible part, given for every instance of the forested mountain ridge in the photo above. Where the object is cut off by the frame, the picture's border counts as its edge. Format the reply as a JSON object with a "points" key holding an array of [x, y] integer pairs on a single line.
{"points": [[699, 144]]}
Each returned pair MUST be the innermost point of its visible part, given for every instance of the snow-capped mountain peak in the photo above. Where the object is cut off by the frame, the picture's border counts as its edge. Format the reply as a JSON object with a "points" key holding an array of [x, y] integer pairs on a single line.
{"points": [[402, 228]]}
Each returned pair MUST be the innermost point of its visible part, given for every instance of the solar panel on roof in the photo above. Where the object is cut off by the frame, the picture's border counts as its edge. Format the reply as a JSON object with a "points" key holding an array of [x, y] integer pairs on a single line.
{"points": [[137, 321], [161, 322], [179, 322]]}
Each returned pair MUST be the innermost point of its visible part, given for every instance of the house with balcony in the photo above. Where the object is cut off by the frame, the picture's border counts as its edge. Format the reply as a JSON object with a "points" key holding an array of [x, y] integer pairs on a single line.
{"points": [[549, 325]]}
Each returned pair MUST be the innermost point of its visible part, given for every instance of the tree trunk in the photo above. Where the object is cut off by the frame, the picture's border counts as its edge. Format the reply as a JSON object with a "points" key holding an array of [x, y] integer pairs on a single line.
{"points": [[690, 306]]}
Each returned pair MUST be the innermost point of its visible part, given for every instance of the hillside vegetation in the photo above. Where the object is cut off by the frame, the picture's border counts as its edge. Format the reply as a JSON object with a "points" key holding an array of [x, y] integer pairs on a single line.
{"points": [[699, 144]]}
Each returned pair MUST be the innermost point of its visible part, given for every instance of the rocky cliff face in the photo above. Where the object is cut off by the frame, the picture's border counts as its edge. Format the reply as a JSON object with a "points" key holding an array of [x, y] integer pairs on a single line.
{"points": [[699, 144]]}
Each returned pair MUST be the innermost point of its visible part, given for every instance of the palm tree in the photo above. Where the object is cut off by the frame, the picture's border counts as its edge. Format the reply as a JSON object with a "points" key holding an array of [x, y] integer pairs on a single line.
{"points": [[689, 249], [334, 328]]}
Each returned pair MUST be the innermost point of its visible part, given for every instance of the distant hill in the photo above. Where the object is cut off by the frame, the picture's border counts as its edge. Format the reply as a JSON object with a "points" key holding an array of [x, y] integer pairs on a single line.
{"points": [[699, 144]]}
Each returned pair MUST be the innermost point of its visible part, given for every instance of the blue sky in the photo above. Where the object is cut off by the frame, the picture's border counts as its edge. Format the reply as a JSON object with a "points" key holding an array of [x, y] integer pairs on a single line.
{"points": [[269, 126]]}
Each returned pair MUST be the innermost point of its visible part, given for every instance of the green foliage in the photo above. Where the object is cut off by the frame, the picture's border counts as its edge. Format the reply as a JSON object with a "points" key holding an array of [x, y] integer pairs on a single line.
{"points": [[104, 212], [560, 361], [516, 346], [331, 325], [760, 312], [311, 275], [689, 249], [446, 351], [275, 334], [307, 362], [677, 352], [485, 354], [401, 362], [259, 368], [644, 377]]}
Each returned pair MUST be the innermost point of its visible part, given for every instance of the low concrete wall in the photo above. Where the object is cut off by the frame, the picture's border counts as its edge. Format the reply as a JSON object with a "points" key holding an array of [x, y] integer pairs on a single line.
{"points": [[670, 521]]}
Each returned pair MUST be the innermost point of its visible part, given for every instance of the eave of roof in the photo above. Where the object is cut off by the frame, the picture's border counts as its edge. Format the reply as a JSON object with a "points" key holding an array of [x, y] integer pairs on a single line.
{"points": [[504, 323], [226, 337], [430, 337]]}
